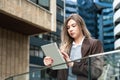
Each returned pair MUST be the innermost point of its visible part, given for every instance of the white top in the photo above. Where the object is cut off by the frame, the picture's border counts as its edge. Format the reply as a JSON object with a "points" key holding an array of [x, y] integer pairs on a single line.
{"points": [[75, 54]]}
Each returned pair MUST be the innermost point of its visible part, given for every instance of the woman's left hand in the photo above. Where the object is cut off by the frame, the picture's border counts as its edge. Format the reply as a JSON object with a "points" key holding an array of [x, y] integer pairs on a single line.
{"points": [[67, 58]]}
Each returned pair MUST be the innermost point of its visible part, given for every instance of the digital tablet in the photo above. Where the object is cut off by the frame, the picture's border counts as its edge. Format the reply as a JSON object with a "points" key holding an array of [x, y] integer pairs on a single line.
{"points": [[52, 51]]}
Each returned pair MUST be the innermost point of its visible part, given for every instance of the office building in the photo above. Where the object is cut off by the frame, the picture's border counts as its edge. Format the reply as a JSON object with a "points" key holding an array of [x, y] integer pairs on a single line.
{"points": [[105, 23], [36, 54], [116, 21], [70, 7]]}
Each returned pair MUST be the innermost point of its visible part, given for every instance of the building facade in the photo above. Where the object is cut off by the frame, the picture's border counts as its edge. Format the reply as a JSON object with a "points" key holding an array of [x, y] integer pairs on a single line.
{"points": [[105, 23], [70, 7], [116, 21], [88, 11], [19, 19], [36, 53]]}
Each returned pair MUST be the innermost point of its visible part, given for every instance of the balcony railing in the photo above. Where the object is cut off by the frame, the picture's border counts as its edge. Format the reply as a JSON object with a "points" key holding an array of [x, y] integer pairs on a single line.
{"points": [[110, 68]]}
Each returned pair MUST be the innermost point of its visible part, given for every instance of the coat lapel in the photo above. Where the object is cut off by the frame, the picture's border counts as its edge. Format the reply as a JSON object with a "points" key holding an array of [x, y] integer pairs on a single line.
{"points": [[85, 47]]}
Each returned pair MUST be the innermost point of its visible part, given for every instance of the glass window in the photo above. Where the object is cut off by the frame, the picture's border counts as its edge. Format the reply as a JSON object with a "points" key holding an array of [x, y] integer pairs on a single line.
{"points": [[43, 3], [32, 53], [59, 25], [35, 1], [47, 36], [107, 1], [36, 51], [60, 11]]}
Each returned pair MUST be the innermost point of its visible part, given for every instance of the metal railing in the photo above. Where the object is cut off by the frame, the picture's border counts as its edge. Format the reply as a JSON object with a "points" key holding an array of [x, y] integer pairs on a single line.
{"points": [[110, 68]]}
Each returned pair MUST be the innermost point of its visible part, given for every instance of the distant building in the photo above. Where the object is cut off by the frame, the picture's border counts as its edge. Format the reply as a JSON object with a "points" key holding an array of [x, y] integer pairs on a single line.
{"points": [[88, 11], [105, 23], [70, 7], [36, 54], [116, 20]]}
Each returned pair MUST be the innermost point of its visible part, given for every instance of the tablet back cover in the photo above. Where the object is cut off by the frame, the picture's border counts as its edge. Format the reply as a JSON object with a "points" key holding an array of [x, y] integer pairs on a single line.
{"points": [[52, 50]]}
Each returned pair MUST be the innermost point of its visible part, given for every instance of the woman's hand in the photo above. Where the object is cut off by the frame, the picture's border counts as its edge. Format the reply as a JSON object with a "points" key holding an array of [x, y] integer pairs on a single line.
{"points": [[67, 58], [48, 61]]}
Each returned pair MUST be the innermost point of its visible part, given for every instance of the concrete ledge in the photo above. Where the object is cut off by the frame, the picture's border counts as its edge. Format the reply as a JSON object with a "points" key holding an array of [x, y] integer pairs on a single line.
{"points": [[30, 19]]}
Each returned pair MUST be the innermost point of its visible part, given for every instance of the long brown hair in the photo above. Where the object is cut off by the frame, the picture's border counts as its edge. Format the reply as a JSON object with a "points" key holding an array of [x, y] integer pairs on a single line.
{"points": [[66, 40]]}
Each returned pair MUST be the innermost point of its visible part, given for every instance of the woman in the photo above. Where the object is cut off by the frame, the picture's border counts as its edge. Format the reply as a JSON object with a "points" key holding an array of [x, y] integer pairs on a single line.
{"points": [[77, 43]]}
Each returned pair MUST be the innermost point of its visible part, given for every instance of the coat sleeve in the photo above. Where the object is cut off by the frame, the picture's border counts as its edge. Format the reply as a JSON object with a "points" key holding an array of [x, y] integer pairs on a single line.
{"points": [[82, 67], [52, 73]]}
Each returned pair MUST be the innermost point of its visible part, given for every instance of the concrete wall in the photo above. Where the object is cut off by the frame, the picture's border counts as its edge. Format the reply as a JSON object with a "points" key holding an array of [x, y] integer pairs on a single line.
{"points": [[14, 53]]}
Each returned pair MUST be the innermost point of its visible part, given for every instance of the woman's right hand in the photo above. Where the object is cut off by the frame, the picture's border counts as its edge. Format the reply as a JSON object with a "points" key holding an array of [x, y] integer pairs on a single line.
{"points": [[48, 61]]}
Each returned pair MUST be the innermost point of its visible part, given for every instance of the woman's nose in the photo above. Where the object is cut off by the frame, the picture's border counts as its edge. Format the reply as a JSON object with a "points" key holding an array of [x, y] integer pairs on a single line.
{"points": [[71, 28]]}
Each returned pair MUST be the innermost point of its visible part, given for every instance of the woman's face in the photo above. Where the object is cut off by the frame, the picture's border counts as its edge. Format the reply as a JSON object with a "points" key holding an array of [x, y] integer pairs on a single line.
{"points": [[73, 29]]}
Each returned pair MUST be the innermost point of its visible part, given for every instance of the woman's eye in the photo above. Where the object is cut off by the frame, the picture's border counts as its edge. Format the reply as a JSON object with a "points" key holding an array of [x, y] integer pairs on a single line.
{"points": [[73, 26]]}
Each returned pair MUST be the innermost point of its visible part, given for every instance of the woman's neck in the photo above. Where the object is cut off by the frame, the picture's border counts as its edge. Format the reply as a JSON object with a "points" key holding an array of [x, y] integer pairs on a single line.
{"points": [[78, 40]]}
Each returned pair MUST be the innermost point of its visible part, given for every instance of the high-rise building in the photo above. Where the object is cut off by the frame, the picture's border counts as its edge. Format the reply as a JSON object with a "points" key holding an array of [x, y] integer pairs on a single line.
{"points": [[116, 20], [70, 7], [105, 23], [88, 11]]}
